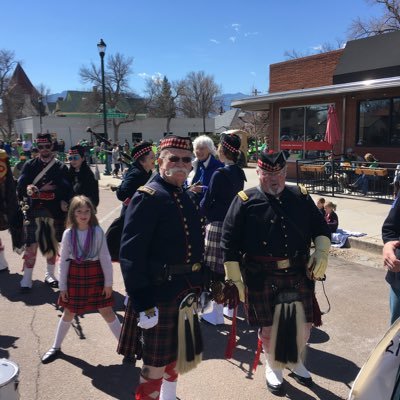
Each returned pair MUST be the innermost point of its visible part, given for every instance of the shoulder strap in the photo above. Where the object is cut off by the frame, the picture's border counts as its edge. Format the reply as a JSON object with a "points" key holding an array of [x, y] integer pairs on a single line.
{"points": [[43, 172], [147, 189], [243, 195]]}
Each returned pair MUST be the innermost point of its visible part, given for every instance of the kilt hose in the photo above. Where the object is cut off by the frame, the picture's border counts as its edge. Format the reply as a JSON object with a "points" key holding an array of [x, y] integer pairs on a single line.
{"points": [[30, 230], [260, 303], [212, 247], [85, 286], [159, 345]]}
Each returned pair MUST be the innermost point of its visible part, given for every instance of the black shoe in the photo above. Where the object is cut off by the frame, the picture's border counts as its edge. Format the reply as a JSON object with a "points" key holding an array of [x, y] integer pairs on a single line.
{"points": [[277, 390], [51, 355], [25, 289], [308, 382], [51, 282]]}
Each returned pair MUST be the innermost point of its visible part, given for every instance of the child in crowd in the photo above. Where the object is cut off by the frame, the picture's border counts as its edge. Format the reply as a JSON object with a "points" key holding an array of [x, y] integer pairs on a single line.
{"points": [[321, 205], [331, 217], [85, 272]]}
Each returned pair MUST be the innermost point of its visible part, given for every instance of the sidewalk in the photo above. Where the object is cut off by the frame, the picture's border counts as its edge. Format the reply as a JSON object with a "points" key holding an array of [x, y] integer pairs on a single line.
{"points": [[355, 214]]}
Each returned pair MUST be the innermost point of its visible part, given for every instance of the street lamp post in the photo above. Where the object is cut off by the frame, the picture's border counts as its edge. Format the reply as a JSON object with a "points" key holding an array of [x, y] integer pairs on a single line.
{"points": [[101, 46], [40, 100]]}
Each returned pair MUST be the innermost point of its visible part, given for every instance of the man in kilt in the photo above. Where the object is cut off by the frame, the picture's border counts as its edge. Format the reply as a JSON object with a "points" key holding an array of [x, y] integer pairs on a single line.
{"points": [[161, 252], [44, 191], [266, 239]]}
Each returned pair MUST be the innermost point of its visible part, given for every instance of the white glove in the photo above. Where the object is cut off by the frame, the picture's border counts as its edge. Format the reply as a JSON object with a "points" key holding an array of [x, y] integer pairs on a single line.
{"points": [[232, 272], [148, 319], [319, 259]]}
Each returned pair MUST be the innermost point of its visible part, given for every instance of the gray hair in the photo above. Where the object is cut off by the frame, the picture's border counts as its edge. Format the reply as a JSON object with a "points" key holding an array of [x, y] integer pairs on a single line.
{"points": [[204, 140]]}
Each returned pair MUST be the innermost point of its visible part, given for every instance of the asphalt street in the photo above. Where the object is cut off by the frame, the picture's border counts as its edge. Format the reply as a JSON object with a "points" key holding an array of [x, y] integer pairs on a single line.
{"points": [[91, 369]]}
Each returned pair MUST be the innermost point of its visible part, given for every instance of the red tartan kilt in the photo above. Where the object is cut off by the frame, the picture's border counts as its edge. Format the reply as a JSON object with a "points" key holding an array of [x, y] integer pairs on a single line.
{"points": [[159, 344], [85, 286], [260, 303]]}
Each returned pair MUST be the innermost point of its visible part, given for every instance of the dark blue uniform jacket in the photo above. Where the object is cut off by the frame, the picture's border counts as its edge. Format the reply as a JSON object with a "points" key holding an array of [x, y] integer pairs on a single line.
{"points": [[267, 226], [162, 227]]}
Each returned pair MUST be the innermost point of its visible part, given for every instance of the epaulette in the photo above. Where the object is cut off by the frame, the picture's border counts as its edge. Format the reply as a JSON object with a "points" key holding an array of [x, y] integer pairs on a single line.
{"points": [[303, 190], [146, 189], [243, 195]]}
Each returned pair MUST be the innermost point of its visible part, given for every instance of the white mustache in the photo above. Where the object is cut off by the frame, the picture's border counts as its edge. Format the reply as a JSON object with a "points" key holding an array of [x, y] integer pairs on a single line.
{"points": [[170, 172]]}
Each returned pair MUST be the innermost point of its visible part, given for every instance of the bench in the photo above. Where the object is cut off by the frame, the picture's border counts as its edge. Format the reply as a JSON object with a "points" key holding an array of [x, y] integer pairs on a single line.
{"points": [[372, 171]]}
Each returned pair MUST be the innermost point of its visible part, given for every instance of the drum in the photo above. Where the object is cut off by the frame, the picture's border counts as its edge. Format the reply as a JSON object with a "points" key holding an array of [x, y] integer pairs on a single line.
{"points": [[9, 372]]}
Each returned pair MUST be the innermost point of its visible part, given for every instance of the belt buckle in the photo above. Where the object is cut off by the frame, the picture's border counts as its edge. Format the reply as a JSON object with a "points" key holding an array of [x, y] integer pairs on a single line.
{"points": [[196, 267], [283, 264]]}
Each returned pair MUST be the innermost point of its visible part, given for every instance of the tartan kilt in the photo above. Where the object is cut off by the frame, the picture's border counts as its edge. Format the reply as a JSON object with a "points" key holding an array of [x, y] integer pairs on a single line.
{"points": [[212, 247], [260, 303], [85, 286], [30, 230], [159, 345]]}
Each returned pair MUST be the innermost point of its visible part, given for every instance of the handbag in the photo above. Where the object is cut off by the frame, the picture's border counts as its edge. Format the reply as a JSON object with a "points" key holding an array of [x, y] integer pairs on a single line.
{"points": [[113, 237]]}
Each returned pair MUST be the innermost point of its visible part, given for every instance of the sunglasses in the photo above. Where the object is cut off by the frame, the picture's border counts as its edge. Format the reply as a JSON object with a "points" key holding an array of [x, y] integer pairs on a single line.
{"points": [[176, 159], [74, 158], [45, 146]]}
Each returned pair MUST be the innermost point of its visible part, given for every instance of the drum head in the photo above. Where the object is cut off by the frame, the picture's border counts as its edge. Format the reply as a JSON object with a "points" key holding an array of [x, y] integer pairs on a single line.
{"points": [[8, 370]]}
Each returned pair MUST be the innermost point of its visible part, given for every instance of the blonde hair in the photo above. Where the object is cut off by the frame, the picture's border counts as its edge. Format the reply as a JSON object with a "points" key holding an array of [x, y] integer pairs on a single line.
{"points": [[77, 202], [331, 205]]}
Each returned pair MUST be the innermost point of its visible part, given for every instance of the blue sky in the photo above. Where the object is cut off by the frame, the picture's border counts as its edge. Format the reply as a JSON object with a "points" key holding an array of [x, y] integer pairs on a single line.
{"points": [[231, 40]]}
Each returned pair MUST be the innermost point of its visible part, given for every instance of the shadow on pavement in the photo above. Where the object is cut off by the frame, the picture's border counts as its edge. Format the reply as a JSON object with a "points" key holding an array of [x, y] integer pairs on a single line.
{"points": [[118, 381], [5, 343], [40, 293], [295, 393], [318, 336], [330, 366]]}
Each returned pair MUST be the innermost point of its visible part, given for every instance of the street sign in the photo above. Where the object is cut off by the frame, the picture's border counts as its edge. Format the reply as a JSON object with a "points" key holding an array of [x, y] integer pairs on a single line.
{"points": [[114, 115]]}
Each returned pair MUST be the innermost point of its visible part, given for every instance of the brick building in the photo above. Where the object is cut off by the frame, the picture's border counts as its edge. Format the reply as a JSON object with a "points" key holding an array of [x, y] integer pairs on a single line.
{"points": [[362, 81]]}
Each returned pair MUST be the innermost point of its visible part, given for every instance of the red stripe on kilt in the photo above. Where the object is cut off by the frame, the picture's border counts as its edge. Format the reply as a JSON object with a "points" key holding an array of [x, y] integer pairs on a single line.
{"points": [[85, 288]]}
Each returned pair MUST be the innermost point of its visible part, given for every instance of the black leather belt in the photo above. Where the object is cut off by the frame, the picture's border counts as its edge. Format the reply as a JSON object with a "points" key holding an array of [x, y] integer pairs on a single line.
{"points": [[181, 269]]}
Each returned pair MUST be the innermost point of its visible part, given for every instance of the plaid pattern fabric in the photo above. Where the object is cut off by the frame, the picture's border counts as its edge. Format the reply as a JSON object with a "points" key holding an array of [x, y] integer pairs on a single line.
{"points": [[159, 344], [85, 286], [259, 304], [212, 249], [30, 230]]}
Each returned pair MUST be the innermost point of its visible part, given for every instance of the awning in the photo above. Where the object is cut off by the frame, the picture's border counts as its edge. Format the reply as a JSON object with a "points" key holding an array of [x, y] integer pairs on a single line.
{"points": [[262, 103]]}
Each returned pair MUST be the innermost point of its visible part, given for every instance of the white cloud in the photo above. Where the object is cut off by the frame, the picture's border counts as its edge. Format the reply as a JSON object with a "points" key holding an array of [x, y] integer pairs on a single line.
{"points": [[317, 48], [253, 73], [236, 27], [232, 39], [214, 41], [250, 34], [156, 77]]}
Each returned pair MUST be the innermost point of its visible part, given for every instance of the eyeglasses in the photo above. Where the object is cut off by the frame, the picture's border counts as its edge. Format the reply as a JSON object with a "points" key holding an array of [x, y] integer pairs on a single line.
{"points": [[44, 146], [176, 159], [74, 158]]}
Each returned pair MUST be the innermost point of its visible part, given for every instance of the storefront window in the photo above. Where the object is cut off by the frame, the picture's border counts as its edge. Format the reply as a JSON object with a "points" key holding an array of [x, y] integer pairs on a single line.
{"points": [[302, 130], [395, 126], [374, 122]]}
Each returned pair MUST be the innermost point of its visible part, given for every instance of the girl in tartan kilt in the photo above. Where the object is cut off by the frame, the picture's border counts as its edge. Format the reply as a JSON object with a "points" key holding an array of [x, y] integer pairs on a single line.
{"points": [[85, 272]]}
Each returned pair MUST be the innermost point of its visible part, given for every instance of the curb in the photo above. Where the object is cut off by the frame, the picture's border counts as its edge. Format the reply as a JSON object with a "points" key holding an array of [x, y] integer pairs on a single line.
{"points": [[365, 246]]}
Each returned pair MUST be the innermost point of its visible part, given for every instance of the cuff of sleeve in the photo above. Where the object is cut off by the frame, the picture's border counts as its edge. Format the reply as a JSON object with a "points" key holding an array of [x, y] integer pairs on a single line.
{"points": [[142, 299]]}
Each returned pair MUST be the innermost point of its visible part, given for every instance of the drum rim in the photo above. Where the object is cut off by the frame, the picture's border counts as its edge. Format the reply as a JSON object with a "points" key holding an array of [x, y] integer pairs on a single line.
{"points": [[16, 370]]}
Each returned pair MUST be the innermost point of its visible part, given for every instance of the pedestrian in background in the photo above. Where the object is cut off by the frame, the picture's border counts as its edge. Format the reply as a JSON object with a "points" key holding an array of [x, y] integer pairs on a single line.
{"points": [[391, 257], [204, 165], [225, 183], [81, 176], [115, 160], [86, 275], [331, 217]]}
